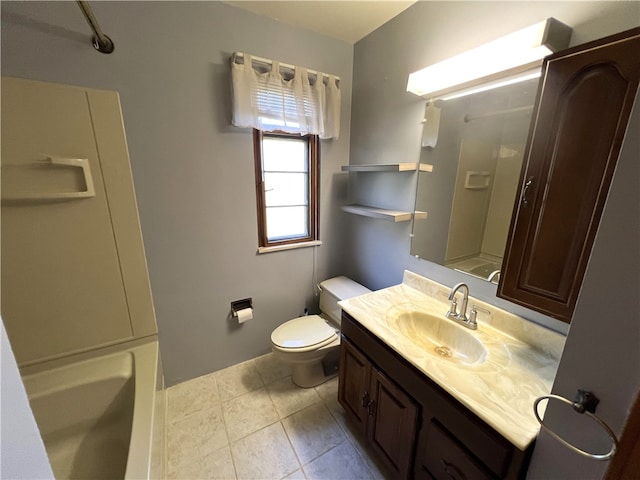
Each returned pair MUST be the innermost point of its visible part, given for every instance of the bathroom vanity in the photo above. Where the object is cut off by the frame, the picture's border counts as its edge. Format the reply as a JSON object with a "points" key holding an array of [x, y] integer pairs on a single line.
{"points": [[434, 399]]}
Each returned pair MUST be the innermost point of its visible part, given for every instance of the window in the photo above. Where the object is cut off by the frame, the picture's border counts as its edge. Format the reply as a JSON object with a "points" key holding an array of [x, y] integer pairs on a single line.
{"points": [[286, 188]]}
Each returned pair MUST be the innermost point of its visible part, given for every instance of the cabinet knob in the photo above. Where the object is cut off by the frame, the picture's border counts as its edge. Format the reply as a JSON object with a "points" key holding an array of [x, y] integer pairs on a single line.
{"points": [[525, 201], [365, 399]]}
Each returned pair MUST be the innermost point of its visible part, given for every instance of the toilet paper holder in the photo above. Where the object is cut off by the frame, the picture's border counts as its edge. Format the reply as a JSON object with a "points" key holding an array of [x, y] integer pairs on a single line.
{"points": [[238, 305]]}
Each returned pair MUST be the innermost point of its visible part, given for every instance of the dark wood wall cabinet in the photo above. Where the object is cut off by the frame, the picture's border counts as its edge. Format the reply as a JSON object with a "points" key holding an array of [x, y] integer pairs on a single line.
{"points": [[582, 109], [418, 429]]}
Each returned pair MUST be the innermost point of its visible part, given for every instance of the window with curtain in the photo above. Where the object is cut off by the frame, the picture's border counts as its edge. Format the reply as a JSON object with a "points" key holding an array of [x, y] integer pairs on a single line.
{"points": [[270, 102]]}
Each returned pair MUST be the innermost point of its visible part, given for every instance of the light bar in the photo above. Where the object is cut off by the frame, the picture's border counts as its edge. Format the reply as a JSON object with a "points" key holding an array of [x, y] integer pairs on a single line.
{"points": [[522, 77], [513, 56]]}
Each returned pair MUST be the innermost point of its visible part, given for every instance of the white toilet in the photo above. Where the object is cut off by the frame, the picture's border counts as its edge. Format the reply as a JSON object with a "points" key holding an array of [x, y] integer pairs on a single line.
{"points": [[304, 342]]}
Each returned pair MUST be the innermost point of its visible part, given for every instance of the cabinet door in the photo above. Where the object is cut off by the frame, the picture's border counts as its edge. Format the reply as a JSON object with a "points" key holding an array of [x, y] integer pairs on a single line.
{"points": [[585, 98], [393, 424], [353, 393]]}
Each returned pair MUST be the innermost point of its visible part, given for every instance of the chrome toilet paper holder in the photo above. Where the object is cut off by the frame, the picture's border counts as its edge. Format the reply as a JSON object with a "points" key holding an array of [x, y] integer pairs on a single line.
{"points": [[238, 305]]}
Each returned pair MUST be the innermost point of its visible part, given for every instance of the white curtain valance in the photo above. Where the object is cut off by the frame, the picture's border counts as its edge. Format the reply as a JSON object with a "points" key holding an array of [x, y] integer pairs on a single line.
{"points": [[269, 102]]}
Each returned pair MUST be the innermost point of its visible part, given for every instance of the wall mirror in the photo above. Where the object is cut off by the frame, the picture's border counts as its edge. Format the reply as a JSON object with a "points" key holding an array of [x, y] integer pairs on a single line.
{"points": [[470, 194]]}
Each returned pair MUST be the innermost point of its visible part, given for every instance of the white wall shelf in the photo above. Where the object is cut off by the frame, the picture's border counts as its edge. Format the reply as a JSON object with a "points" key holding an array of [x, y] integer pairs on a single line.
{"points": [[389, 167], [383, 214]]}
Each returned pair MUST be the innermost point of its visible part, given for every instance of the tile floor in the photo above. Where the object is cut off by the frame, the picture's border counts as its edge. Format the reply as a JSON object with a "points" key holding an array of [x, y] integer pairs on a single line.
{"points": [[250, 421]]}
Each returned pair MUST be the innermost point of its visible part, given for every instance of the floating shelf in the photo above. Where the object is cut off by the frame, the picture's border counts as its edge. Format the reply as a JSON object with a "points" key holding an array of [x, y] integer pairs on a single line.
{"points": [[382, 214], [390, 167]]}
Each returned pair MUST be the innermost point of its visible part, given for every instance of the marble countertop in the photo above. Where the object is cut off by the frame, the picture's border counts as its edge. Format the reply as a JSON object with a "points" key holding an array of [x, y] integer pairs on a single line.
{"points": [[520, 365]]}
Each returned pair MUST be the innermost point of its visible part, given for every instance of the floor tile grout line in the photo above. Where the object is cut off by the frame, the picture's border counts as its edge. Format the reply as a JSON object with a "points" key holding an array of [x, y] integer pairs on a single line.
{"points": [[226, 431], [186, 383], [253, 367], [173, 419], [195, 412], [203, 454], [250, 433], [293, 448], [346, 437], [294, 412], [259, 430]]}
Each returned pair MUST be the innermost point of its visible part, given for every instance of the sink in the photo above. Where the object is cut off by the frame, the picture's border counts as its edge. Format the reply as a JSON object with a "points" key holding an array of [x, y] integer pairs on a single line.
{"points": [[438, 336]]}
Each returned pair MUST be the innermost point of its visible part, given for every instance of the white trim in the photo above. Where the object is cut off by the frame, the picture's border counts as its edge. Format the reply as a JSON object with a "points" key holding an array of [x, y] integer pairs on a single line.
{"points": [[289, 246]]}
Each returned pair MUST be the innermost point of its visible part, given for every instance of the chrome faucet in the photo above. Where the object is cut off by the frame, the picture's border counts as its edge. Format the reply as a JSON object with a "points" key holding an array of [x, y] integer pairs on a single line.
{"points": [[495, 275], [461, 317]]}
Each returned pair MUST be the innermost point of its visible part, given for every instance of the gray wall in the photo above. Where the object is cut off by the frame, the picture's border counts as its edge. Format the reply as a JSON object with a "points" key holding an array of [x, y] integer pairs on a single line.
{"points": [[602, 352], [192, 171]]}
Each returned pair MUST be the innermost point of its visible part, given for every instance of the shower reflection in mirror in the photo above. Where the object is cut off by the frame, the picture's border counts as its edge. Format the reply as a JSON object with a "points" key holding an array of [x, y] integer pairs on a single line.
{"points": [[476, 167]]}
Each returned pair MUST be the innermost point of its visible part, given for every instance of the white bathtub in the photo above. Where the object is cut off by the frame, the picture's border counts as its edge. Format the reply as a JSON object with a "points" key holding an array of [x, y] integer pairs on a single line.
{"points": [[477, 266], [97, 416]]}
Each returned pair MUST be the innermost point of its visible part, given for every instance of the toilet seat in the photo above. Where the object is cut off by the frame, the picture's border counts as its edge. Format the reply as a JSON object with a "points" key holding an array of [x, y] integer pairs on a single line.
{"points": [[303, 334]]}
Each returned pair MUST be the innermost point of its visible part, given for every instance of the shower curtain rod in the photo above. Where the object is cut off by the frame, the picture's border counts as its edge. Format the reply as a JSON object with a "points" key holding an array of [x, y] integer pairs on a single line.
{"points": [[101, 42], [470, 118]]}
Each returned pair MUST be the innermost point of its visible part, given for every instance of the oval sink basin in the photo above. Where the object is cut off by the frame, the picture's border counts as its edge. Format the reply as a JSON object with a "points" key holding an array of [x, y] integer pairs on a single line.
{"points": [[439, 337]]}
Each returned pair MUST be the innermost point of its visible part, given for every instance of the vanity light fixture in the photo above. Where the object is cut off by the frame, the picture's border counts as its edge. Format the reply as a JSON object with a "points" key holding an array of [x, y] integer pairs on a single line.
{"points": [[513, 58]]}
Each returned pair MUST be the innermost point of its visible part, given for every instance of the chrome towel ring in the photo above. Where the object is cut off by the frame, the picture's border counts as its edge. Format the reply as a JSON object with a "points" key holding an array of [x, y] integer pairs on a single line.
{"points": [[585, 402]]}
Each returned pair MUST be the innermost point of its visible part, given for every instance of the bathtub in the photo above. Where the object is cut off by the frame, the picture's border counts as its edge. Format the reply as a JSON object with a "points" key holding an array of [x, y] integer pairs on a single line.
{"points": [[485, 269], [477, 266], [98, 416]]}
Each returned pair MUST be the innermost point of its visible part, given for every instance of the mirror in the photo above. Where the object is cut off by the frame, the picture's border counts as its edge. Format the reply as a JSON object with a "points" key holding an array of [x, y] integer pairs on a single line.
{"points": [[470, 194]]}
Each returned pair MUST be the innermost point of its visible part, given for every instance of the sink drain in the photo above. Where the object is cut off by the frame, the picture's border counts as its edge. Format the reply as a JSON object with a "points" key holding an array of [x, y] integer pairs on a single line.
{"points": [[443, 351]]}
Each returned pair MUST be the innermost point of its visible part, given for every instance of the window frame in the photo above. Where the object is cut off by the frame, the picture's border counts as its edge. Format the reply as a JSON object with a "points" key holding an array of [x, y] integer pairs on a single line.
{"points": [[313, 149]]}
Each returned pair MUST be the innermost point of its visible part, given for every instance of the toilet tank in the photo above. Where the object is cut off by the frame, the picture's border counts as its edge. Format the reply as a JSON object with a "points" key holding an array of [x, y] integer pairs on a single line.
{"points": [[335, 289]]}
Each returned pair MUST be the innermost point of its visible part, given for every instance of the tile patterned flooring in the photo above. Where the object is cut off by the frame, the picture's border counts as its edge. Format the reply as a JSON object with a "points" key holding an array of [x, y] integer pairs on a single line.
{"points": [[250, 421]]}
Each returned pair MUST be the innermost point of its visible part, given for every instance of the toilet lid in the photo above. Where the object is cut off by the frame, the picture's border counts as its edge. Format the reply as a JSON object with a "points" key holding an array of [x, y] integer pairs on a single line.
{"points": [[303, 332]]}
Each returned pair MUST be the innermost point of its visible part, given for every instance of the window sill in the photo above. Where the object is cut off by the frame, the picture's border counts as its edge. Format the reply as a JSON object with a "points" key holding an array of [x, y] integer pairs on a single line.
{"points": [[289, 246]]}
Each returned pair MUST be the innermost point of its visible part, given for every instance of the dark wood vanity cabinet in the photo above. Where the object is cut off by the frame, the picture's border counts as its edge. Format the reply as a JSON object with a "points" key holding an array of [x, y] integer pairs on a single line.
{"points": [[584, 101], [419, 430], [383, 412]]}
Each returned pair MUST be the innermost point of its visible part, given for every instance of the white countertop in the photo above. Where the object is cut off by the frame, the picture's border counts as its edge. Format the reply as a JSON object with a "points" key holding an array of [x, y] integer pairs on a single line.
{"points": [[521, 362]]}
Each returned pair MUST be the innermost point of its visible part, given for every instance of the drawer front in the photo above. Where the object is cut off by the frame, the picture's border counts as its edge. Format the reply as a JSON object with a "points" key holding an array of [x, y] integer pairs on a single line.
{"points": [[446, 459]]}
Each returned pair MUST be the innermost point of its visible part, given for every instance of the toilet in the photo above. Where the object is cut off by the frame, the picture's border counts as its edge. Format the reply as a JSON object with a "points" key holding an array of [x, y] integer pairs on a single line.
{"points": [[310, 344]]}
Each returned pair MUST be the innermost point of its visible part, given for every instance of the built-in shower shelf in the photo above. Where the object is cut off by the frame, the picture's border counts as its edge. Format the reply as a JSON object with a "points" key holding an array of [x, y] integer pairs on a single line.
{"points": [[383, 214], [389, 167]]}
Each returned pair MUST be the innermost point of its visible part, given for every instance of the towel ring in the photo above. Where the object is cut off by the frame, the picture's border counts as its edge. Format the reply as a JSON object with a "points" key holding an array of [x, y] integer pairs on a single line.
{"points": [[585, 402]]}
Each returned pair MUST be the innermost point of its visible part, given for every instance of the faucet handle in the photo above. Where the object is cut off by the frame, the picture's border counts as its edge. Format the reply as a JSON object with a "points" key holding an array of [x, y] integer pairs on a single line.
{"points": [[474, 313]]}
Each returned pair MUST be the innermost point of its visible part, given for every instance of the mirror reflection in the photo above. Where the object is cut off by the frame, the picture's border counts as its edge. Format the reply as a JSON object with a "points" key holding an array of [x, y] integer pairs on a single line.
{"points": [[469, 196]]}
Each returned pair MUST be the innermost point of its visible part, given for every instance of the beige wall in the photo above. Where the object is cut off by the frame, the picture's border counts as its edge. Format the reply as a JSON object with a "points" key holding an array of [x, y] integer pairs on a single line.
{"points": [[503, 193], [470, 206]]}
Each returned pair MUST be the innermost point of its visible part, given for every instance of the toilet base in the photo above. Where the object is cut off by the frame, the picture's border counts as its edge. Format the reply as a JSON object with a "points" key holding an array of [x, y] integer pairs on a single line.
{"points": [[307, 369], [308, 375]]}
